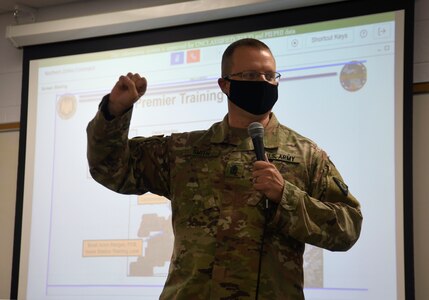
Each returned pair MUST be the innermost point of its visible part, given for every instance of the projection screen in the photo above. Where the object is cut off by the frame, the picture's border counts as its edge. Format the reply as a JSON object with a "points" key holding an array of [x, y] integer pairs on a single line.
{"points": [[341, 86]]}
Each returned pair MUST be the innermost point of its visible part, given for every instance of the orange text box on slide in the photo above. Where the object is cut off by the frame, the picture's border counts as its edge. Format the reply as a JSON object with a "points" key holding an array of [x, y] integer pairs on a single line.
{"points": [[102, 248]]}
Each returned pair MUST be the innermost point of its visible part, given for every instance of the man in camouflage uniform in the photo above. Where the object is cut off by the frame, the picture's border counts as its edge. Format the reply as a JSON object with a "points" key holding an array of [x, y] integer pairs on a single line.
{"points": [[220, 194]]}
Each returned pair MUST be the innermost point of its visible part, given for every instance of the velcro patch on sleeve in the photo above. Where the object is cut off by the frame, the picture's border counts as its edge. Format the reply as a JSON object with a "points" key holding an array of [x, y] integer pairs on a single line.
{"points": [[342, 186]]}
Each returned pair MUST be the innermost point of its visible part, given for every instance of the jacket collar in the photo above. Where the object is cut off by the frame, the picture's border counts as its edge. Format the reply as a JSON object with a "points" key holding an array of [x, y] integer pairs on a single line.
{"points": [[222, 133]]}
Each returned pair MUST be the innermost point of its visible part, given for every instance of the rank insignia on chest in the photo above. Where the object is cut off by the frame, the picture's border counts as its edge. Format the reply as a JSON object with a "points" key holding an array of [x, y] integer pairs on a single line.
{"points": [[234, 169]]}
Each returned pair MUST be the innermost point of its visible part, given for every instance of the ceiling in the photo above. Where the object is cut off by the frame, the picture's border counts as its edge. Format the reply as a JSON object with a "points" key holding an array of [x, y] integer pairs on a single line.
{"points": [[91, 6], [96, 24], [9, 5]]}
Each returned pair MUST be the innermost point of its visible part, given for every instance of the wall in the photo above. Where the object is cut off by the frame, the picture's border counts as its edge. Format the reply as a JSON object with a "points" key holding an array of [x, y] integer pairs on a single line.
{"points": [[8, 173], [421, 203], [420, 150], [10, 77], [421, 41], [10, 91]]}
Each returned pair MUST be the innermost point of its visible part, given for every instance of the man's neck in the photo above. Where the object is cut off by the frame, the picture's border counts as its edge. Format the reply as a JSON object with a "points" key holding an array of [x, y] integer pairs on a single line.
{"points": [[244, 121]]}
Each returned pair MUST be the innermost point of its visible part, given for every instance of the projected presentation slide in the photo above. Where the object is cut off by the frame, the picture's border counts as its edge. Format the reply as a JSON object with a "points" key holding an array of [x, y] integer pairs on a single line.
{"points": [[83, 241]]}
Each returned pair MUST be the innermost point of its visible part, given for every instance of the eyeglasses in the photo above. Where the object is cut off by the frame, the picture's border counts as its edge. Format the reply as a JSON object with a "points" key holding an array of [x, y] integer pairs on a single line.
{"points": [[271, 77]]}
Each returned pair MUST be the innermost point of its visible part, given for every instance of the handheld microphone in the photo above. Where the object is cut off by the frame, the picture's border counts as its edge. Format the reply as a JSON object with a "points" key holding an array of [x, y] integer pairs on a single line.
{"points": [[256, 132]]}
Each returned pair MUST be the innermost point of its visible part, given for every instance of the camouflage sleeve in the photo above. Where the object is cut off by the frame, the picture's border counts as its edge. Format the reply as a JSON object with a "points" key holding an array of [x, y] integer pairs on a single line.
{"points": [[328, 216], [127, 166]]}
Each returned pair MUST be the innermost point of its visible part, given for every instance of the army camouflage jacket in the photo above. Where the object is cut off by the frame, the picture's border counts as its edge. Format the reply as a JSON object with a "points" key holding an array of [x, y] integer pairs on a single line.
{"points": [[218, 217]]}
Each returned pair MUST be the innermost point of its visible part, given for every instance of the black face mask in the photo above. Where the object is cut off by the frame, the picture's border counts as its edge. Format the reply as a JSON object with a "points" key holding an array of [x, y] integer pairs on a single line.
{"points": [[255, 97]]}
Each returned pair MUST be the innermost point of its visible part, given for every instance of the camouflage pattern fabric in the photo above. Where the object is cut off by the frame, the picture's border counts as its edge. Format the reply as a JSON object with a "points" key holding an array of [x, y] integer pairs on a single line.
{"points": [[218, 217]]}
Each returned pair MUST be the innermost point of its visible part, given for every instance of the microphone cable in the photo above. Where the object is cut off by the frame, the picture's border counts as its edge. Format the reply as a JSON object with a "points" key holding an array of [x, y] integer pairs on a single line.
{"points": [[261, 249]]}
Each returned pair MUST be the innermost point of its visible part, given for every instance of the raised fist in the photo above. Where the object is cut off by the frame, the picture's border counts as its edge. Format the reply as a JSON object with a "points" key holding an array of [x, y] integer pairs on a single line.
{"points": [[127, 90]]}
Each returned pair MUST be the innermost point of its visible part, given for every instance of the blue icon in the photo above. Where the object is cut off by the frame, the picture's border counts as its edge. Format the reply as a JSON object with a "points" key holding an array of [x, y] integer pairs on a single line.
{"points": [[177, 58]]}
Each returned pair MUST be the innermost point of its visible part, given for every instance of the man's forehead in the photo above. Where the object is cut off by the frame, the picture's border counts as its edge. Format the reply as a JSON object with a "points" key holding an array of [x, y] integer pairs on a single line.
{"points": [[241, 56]]}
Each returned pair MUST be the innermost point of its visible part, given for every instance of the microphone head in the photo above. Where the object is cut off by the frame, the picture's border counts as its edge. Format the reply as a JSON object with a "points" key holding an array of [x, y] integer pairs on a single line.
{"points": [[256, 130]]}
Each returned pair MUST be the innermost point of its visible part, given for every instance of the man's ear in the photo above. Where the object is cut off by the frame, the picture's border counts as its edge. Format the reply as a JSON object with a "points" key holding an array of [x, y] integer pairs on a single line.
{"points": [[224, 85]]}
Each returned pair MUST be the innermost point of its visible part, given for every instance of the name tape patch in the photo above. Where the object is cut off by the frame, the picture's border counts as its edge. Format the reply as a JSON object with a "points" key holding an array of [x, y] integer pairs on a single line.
{"points": [[289, 158]]}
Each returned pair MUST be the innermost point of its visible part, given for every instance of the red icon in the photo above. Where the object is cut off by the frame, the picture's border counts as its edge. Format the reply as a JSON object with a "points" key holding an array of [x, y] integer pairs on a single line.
{"points": [[193, 56]]}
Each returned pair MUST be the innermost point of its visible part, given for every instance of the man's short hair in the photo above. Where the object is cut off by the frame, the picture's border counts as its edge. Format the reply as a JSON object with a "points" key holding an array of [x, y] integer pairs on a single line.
{"points": [[229, 52]]}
